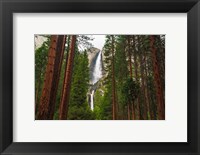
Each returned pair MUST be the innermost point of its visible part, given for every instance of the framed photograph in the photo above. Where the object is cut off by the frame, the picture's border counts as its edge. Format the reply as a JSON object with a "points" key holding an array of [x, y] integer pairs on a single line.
{"points": [[99, 77]]}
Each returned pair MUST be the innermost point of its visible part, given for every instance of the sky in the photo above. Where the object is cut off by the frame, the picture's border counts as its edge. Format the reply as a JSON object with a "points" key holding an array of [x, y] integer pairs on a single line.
{"points": [[98, 41]]}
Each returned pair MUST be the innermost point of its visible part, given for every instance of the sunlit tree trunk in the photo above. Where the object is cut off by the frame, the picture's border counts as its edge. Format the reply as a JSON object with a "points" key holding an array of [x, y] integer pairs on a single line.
{"points": [[63, 110]]}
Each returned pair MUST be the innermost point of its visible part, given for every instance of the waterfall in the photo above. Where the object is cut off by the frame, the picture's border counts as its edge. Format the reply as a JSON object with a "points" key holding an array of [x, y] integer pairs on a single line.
{"points": [[92, 100], [96, 75]]}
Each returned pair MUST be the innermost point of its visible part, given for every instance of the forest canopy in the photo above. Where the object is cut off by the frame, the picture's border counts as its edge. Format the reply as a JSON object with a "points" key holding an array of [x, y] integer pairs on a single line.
{"points": [[122, 80]]}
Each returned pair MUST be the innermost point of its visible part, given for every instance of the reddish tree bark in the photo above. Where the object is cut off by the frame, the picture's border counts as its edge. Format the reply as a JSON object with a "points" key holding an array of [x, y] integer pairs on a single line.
{"points": [[63, 110], [157, 81], [56, 76], [128, 111], [66, 61], [43, 109], [133, 111]]}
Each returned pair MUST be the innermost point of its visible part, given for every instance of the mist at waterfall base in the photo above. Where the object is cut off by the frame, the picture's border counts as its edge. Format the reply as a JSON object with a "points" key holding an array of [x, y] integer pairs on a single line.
{"points": [[96, 75]]}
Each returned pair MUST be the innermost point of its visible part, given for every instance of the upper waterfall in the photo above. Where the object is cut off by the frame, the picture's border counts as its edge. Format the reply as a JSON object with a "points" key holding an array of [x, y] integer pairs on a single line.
{"points": [[97, 72]]}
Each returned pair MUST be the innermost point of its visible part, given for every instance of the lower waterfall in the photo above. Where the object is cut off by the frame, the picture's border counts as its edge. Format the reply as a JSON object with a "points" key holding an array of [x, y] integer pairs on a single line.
{"points": [[92, 100]]}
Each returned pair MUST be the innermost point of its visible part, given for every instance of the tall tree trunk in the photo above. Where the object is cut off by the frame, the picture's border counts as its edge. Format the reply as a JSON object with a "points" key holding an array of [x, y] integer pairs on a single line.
{"points": [[129, 55], [131, 74], [142, 79], [136, 74], [128, 111], [56, 76], [43, 109], [133, 111], [157, 81], [146, 87], [117, 105], [150, 93], [161, 60], [63, 110], [113, 82], [66, 61]]}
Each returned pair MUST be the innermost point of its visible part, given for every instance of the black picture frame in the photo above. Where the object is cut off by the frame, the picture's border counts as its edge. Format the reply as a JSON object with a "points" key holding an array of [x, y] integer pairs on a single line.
{"points": [[8, 7]]}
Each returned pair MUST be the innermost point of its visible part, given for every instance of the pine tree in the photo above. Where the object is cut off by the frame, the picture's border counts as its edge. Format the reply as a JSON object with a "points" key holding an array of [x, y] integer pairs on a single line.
{"points": [[141, 60], [114, 104], [159, 96], [63, 110], [121, 74], [78, 107], [135, 53], [131, 103], [56, 76], [41, 57], [51, 80]]}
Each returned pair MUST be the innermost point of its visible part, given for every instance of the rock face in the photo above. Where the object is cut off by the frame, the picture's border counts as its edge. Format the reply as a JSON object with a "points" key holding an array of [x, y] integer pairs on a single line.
{"points": [[92, 53], [103, 64], [39, 39]]}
